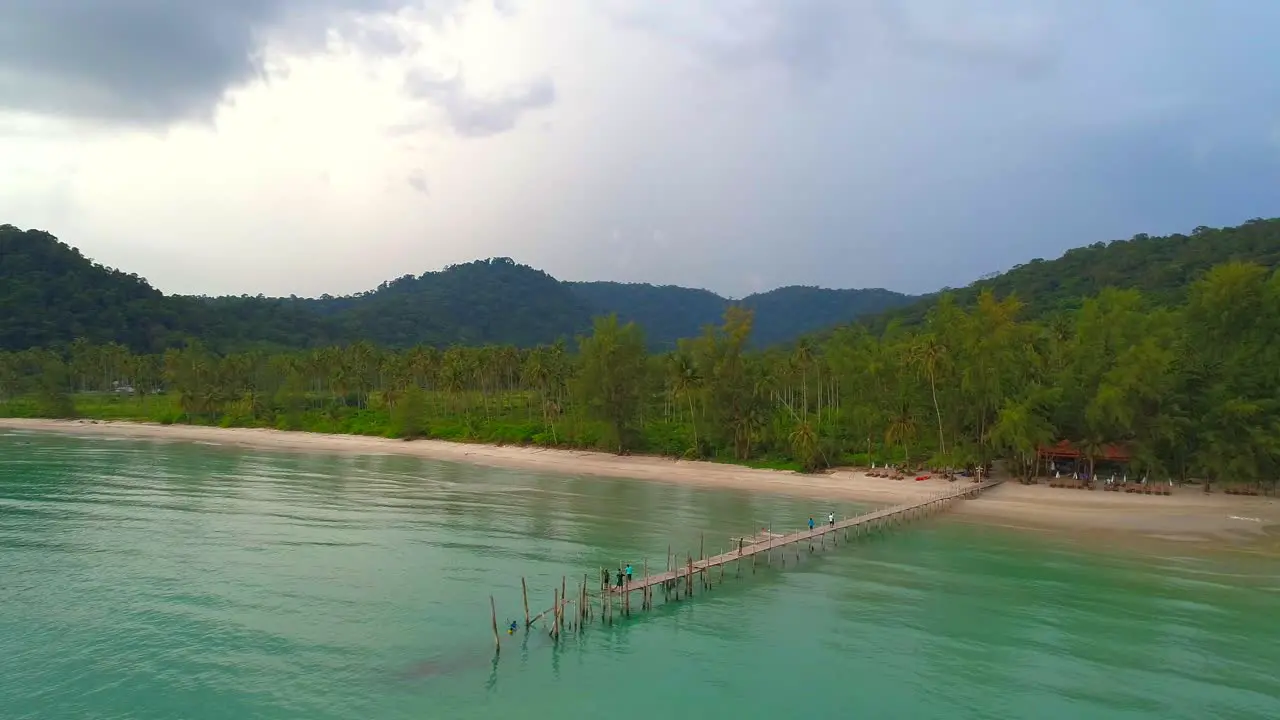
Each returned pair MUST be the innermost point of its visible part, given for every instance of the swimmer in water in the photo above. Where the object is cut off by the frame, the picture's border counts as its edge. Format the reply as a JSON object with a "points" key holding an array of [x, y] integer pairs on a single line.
{"points": [[511, 629]]}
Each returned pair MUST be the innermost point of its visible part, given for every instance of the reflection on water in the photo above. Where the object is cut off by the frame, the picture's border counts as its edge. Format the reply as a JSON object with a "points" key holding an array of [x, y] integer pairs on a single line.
{"points": [[153, 580]]}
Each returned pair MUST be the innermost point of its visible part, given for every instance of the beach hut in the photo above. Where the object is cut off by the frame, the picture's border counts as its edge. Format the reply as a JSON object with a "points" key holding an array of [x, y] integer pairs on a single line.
{"points": [[1065, 450]]}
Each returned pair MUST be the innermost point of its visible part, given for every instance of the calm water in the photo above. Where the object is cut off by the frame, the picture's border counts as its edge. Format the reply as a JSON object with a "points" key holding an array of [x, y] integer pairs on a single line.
{"points": [[146, 580]]}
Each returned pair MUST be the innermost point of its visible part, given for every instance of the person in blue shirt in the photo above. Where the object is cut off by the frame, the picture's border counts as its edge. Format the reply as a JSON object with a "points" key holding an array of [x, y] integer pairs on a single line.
{"points": [[628, 573], [811, 524], [511, 629]]}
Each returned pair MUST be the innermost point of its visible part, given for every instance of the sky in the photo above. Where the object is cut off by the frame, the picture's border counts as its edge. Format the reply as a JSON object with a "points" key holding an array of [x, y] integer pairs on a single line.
{"points": [[324, 146]]}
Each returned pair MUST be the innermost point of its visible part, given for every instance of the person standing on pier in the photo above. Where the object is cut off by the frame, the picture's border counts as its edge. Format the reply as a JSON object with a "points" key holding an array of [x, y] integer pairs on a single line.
{"points": [[628, 573], [810, 524], [831, 519]]}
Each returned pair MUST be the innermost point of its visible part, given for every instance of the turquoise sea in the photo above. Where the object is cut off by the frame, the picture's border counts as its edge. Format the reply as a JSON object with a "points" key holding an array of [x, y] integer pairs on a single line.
{"points": [[153, 580]]}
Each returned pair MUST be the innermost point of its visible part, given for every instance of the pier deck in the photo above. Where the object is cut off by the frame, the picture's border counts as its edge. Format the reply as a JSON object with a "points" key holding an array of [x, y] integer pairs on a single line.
{"points": [[678, 578], [868, 520]]}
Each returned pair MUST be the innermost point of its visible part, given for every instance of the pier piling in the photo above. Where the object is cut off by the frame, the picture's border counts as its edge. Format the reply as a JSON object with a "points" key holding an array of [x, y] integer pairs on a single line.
{"points": [[524, 593], [493, 615], [671, 579]]}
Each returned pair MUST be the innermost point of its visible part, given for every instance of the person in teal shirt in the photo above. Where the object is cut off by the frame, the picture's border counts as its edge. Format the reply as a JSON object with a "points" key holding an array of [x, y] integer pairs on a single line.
{"points": [[810, 524], [628, 573]]}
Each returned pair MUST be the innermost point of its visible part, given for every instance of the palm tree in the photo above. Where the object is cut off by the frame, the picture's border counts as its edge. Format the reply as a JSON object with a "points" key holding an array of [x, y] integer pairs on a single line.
{"points": [[1022, 430], [802, 357], [362, 360], [686, 380], [929, 356], [454, 369], [804, 442], [901, 429]]}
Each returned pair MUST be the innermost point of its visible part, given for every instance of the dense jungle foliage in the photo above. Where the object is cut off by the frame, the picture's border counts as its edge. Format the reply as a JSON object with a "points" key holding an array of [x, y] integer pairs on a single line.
{"points": [[1161, 268], [1192, 387]]}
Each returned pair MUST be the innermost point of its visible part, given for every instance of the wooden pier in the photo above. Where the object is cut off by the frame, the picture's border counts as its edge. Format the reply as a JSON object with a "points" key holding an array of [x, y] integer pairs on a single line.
{"points": [[678, 578]]}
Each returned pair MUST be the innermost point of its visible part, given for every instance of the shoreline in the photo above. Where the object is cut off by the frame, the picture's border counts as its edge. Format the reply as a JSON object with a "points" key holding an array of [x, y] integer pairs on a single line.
{"points": [[1187, 516]]}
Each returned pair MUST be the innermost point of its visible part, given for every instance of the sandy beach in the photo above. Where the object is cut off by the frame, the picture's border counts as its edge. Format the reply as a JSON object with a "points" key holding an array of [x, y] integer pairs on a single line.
{"points": [[1187, 515]]}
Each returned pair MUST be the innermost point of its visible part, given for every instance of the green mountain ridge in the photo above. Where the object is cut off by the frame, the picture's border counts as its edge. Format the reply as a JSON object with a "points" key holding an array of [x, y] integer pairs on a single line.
{"points": [[668, 312], [1161, 268], [52, 294]]}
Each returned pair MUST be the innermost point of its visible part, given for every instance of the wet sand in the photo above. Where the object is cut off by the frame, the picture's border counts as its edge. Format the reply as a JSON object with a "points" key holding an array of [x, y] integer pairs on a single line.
{"points": [[1187, 515]]}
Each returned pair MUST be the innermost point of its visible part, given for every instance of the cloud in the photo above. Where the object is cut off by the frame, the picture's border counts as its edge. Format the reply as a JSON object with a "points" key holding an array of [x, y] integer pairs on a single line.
{"points": [[907, 144], [800, 35], [474, 115], [418, 181], [151, 62], [1021, 40], [810, 38]]}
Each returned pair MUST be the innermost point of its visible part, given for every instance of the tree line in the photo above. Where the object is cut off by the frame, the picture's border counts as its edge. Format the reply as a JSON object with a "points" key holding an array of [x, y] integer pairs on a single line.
{"points": [[1193, 390]]}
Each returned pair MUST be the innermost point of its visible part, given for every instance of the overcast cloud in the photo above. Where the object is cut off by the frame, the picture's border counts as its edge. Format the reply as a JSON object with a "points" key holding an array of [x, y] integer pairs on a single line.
{"points": [[310, 146]]}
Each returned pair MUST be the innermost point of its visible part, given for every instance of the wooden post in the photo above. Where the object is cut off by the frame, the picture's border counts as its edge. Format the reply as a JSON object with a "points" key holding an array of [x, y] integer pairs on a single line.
{"points": [[721, 572], [524, 593], [667, 586], [648, 591], [702, 543], [555, 615], [688, 579], [493, 615], [564, 598]]}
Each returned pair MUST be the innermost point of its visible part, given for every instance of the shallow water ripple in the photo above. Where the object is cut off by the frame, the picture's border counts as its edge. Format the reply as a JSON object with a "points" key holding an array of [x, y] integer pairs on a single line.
{"points": [[161, 580]]}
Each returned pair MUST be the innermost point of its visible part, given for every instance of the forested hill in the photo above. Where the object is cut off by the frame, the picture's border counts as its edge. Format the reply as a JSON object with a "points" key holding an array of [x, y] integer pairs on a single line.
{"points": [[668, 313], [50, 294], [484, 302], [1161, 268], [784, 314]]}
